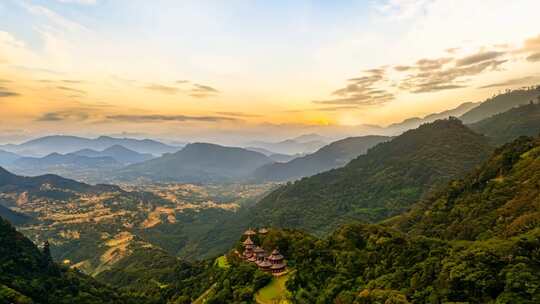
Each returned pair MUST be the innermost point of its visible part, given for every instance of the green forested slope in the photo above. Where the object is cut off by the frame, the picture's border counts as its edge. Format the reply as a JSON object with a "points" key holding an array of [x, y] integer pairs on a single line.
{"points": [[382, 183], [500, 199], [507, 126], [475, 241], [374, 264], [28, 275], [331, 156]]}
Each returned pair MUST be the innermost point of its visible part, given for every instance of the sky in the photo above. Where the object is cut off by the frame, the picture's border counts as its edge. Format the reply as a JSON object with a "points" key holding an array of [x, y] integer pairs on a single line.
{"points": [[232, 71]]}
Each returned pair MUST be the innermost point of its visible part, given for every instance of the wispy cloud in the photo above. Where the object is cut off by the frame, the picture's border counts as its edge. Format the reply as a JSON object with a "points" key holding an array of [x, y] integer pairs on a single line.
{"points": [[162, 118], [63, 116], [55, 19], [401, 9], [202, 91], [335, 109], [5, 92], [365, 90], [35, 69], [194, 90], [84, 2], [511, 82], [163, 89], [478, 57], [238, 114], [69, 89], [534, 57], [433, 75]]}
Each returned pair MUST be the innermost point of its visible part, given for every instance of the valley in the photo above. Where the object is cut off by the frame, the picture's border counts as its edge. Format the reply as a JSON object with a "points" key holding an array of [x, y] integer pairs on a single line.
{"points": [[93, 231]]}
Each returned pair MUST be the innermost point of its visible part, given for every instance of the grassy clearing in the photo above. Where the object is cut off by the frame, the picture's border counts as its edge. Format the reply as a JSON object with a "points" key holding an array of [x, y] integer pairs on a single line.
{"points": [[222, 262], [275, 292]]}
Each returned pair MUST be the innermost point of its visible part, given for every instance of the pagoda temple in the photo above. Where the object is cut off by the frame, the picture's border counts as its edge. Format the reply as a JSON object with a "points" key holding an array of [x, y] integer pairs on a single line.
{"points": [[273, 263], [277, 260]]}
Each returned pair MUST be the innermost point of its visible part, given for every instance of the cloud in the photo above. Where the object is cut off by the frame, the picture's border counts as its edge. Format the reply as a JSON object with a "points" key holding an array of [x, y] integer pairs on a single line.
{"points": [[163, 89], [335, 109], [532, 44], [4, 92], [510, 82], [362, 91], [195, 90], [534, 57], [35, 69], [56, 19], [84, 2], [237, 114], [401, 9], [64, 115], [446, 77], [162, 118], [202, 91], [432, 64], [478, 57], [531, 47], [452, 50], [402, 68], [64, 88]]}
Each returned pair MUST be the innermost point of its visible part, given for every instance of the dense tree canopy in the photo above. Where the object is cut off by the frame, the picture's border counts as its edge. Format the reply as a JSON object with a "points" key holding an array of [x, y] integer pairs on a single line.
{"points": [[384, 182]]}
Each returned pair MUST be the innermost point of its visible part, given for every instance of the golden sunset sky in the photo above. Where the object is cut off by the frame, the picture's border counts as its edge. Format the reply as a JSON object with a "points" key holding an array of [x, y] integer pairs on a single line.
{"points": [[238, 70]]}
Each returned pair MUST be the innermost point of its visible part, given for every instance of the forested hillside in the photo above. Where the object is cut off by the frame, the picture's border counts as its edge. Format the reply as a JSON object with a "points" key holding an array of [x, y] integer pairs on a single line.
{"points": [[505, 127], [384, 182], [332, 156], [501, 199], [501, 103], [28, 275]]}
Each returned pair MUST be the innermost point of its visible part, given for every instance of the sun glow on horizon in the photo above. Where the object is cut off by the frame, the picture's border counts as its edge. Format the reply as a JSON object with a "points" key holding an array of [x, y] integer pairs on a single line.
{"points": [[193, 68]]}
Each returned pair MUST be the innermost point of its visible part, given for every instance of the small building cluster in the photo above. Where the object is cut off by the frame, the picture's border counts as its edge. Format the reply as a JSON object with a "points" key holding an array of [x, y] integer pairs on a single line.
{"points": [[273, 263]]}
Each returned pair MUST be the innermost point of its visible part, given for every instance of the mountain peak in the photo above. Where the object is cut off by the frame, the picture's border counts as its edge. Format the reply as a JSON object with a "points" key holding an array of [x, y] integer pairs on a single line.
{"points": [[118, 148], [4, 172], [384, 182]]}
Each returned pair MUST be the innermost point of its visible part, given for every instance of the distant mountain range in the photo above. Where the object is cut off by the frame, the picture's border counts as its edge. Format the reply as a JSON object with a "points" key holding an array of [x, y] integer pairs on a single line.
{"points": [[198, 163], [72, 161], [118, 153], [289, 146], [67, 165], [311, 138], [67, 144], [48, 185], [379, 184], [7, 158], [334, 155], [277, 157], [415, 122]]}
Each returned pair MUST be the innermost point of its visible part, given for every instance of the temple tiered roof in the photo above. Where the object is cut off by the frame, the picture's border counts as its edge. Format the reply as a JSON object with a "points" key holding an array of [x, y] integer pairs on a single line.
{"points": [[250, 232], [273, 263], [248, 241], [275, 256]]}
